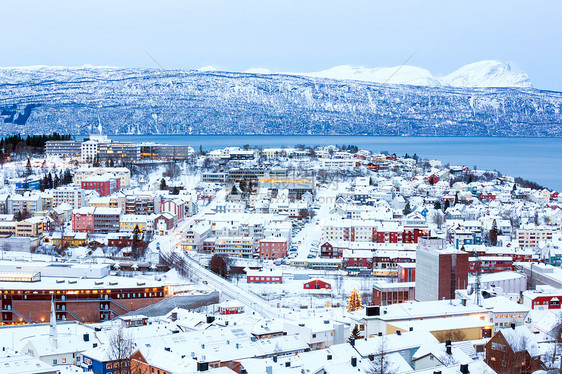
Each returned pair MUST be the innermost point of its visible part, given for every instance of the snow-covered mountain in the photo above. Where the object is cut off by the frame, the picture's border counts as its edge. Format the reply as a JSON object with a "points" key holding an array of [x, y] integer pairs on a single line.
{"points": [[41, 100], [479, 74]]}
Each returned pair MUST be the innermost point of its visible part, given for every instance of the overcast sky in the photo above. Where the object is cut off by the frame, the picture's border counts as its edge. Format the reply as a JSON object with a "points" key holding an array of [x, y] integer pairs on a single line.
{"points": [[285, 35]]}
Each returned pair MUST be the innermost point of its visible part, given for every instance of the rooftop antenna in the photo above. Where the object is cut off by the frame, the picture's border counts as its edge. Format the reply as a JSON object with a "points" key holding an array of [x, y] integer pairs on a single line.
{"points": [[53, 323], [478, 264]]}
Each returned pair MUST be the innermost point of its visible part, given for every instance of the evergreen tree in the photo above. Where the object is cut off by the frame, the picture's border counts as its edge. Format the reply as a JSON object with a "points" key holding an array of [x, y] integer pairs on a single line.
{"points": [[437, 205], [456, 198], [407, 208], [354, 302], [28, 169], [163, 185], [135, 242], [355, 333], [494, 234]]}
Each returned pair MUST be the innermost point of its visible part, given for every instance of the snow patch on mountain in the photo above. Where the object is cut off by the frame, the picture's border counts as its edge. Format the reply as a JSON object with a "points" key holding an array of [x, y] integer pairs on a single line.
{"points": [[488, 73], [397, 75]]}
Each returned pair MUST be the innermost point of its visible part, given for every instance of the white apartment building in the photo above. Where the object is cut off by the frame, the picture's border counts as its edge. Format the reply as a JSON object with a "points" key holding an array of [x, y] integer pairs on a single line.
{"points": [[28, 202], [120, 172], [530, 237], [73, 196], [90, 148]]}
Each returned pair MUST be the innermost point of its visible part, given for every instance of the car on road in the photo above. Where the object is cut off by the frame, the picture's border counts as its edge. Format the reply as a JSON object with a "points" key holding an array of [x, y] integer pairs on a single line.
{"points": [[310, 255]]}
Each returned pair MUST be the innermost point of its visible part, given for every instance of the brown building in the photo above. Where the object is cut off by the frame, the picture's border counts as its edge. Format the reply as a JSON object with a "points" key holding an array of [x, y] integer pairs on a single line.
{"points": [[26, 297], [513, 350], [440, 270], [393, 293]]}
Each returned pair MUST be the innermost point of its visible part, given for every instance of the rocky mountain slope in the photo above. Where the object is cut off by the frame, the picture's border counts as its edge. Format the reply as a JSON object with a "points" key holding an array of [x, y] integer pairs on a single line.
{"points": [[38, 100]]}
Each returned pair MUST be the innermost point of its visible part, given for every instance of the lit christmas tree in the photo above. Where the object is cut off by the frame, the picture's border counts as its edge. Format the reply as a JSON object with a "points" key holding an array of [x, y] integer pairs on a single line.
{"points": [[354, 303]]}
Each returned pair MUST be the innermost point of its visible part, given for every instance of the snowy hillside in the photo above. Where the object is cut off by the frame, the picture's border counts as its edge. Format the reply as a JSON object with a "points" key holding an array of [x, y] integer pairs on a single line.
{"points": [[479, 74], [149, 101]]}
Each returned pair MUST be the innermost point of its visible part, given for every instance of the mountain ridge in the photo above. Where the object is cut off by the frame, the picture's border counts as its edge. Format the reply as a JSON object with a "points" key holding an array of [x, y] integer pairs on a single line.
{"points": [[153, 101]]}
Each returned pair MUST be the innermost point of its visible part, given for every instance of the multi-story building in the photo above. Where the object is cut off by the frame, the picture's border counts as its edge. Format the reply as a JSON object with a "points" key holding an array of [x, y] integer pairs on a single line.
{"points": [[140, 204], [27, 202], [124, 174], [118, 152], [128, 222], [30, 227], [393, 293], [530, 237], [273, 247], [83, 219], [96, 220], [167, 152], [105, 185], [174, 206], [212, 177], [47, 200], [73, 196], [238, 174], [235, 246], [440, 270], [64, 148], [86, 294], [106, 220]]}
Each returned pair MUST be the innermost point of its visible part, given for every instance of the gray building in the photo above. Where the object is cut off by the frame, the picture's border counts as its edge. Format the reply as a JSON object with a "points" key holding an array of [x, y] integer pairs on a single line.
{"points": [[118, 152], [65, 148]]}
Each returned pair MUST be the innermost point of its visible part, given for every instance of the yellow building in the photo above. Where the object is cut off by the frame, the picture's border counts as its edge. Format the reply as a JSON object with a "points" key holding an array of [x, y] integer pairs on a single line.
{"points": [[455, 328], [47, 201], [30, 227], [128, 222], [76, 239]]}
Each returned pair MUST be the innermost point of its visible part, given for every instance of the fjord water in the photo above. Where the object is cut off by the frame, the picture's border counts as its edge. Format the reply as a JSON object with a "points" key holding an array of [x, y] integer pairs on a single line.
{"points": [[536, 159]]}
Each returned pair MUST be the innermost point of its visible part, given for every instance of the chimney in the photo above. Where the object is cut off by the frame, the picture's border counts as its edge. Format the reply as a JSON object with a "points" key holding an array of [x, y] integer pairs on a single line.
{"points": [[329, 357], [288, 364], [354, 361], [448, 347], [513, 326], [398, 332], [174, 316], [464, 369], [352, 342], [274, 358]]}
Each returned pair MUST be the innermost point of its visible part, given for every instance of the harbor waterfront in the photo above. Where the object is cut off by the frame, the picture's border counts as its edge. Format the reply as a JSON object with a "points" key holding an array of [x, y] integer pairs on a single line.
{"points": [[535, 159]]}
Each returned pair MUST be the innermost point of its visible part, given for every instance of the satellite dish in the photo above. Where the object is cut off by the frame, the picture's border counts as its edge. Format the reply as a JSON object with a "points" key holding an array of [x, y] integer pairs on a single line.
{"points": [[470, 290]]}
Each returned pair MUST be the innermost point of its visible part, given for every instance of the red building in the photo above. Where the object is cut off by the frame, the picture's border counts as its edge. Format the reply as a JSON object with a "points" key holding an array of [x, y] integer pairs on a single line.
{"points": [[102, 184], [357, 259], [175, 207], [542, 300], [432, 179], [393, 293], [329, 250], [231, 307], [273, 247], [119, 239], [412, 234], [406, 272], [490, 264], [261, 276], [440, 270], [317, 284]]}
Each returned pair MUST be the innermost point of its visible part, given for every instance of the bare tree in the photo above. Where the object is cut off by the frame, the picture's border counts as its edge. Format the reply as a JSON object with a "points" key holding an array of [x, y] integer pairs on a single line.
{"points": [[381, 363], [453, 335], [437, 218], [120, 350]]}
